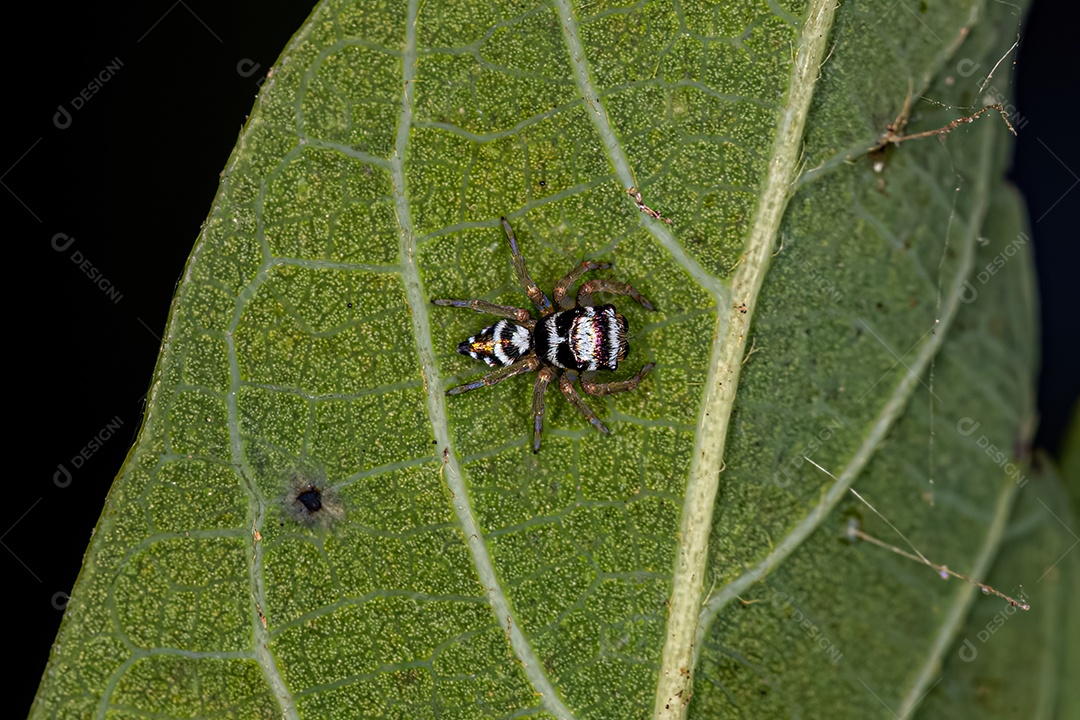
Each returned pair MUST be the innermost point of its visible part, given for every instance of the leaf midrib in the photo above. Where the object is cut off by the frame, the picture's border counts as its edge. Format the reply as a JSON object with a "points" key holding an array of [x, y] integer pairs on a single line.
{"points": [[675, 677]]}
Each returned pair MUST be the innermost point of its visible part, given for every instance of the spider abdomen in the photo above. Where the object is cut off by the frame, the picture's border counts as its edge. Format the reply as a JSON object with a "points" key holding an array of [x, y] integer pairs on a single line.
{"points": [[499, 345], [584, 338]]}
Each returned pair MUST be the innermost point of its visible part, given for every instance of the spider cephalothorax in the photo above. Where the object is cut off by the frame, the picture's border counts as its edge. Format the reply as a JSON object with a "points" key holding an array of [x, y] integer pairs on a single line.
{"points": [[571, 340]]}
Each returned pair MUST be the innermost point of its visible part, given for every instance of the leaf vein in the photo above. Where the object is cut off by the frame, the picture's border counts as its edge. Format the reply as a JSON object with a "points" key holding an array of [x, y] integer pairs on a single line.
{"points": [[436, 402]]}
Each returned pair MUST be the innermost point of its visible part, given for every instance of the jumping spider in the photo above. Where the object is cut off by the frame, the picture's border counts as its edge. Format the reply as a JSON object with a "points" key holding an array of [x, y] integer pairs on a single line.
{"points": [[570, 340]]}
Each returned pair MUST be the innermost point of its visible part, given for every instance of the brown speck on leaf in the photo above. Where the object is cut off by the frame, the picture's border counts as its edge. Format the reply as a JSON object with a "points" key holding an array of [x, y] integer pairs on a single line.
{"points": [[634, 193]]}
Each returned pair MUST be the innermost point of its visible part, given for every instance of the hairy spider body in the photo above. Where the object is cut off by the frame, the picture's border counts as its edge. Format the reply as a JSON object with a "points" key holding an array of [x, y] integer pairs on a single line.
{"points": [[585, 338], [572, 340]]}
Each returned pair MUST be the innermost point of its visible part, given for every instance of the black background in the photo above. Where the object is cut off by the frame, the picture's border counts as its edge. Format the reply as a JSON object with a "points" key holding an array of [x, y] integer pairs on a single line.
{"points": [[132, 177]]}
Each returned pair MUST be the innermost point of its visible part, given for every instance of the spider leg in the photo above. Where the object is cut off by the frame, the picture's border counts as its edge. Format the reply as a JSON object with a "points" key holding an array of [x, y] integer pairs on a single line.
{"points": [[563, 286], [518, 315], [545, 376], [618, 386], [527, 364], [539, 299], [584, 296], [566, 384]]}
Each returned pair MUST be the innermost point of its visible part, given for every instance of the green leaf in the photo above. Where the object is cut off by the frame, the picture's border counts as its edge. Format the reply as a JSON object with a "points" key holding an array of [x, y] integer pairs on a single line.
{"points": [[879, 321], [1008, 663]]}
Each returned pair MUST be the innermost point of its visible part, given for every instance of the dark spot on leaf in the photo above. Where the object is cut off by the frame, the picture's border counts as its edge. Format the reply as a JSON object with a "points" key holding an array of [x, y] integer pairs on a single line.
{"points": [[310, 499]]}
